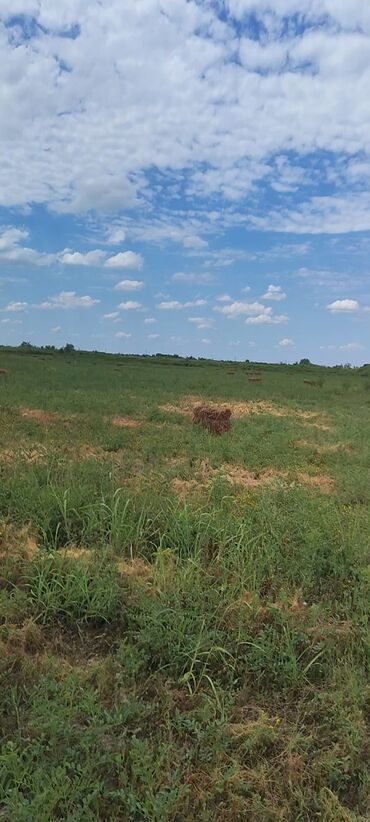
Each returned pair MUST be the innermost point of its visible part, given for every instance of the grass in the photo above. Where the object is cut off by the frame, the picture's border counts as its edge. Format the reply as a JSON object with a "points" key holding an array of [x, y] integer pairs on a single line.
{"points": [[179, 638]]}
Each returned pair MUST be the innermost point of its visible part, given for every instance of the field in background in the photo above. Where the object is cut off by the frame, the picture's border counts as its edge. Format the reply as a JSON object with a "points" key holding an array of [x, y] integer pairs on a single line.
{"points": [[184, 618]]}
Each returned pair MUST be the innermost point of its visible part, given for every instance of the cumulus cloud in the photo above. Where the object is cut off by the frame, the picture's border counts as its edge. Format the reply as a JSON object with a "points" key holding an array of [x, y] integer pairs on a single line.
{"points": [[343, 306], [125, 259], [153, 336], [129, 285], [122, 335], [206, 341], [149, 320], [68, 299], [130, 305], [13, 250], [224, 298], [239, 307], [16, 306], [176, 305], [267, 319], [112, 315], [201, 322], [91, 258], [286, 342], [275, 293]]}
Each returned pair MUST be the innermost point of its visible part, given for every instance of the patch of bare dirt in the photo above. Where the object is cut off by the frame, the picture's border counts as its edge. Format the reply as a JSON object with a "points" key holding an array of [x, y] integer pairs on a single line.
{"points": [[124, 422], [44, 417]]}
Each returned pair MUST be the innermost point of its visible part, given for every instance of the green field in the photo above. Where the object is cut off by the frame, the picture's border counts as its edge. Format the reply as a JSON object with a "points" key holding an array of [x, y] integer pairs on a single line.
{"points": [[184, 617]]}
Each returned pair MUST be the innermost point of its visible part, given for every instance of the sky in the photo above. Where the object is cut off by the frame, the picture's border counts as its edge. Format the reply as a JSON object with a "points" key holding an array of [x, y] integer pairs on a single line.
{"points": [[187, 176]]}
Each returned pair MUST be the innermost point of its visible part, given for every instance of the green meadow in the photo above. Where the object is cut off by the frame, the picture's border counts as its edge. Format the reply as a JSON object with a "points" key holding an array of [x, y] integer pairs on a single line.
{"points": [[184, 618]]}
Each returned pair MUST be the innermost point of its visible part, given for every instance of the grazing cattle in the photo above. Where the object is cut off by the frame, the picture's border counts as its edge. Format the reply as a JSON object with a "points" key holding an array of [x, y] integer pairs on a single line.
{"points": [[310, 382]]}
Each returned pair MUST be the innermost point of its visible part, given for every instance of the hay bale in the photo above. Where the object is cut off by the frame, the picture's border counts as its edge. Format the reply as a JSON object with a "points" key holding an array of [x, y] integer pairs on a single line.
{"points": [[215, 420]]}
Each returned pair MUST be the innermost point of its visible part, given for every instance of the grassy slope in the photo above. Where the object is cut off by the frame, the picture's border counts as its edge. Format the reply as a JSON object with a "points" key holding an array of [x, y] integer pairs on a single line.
{"points": [[198, 658]]}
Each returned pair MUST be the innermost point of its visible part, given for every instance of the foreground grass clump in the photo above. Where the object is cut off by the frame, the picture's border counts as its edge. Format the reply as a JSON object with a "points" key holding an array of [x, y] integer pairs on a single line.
{"points": [[176, 644]]}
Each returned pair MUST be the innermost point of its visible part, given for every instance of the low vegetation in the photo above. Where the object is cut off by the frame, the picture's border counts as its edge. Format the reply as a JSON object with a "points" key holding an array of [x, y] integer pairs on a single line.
{"points": [[183, 617]]}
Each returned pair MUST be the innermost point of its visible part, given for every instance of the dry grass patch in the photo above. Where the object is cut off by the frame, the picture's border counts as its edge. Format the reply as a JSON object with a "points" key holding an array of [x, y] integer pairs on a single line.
{"points": [[321, 482], [182, 488], [246, 408], [238, 475], [125, 422], [45, 417], [24, 453], [329, 448], [76, 552]]}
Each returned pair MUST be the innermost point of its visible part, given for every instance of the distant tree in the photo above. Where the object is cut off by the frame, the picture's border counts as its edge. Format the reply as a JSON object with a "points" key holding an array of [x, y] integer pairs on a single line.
{"points": [[25, 344], [68, 348], [304, 361]]}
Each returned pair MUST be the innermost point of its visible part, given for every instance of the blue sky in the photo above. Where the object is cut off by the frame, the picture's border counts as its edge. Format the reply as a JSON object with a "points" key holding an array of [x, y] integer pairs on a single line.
{"points": [[189, 177]]}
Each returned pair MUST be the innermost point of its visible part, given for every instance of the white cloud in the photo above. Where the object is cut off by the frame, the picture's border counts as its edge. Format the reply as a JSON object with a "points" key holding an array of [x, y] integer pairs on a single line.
{"points": [[12, 250], [343, 306], [224, 298], [286, 342], [91, 258], [130, 305], [129, 285], [114, 132], [351, 346], [206, 341], [115, 235], [239, 307], [56, 329], [111, 316], [246, 289], [68, 299], [149, 320], [175, 305], [122, 335], [16, 306], [153, 336], [191, 279], [275, 293], [125, 259], [201, 322], [267, 319]]}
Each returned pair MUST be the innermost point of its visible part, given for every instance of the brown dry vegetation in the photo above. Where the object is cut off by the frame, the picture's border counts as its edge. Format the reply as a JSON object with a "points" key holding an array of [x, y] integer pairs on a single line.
{"points": [[238, 475], [45, 417], [124, 422], [215, 420]]}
